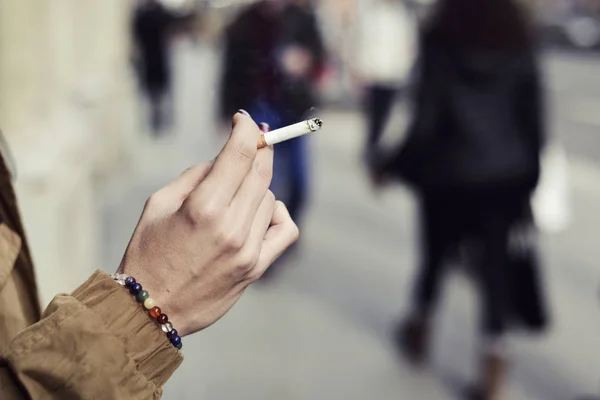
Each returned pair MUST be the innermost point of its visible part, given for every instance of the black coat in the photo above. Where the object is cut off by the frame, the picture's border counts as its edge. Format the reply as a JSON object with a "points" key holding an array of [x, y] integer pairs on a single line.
{"points": [[251, 68], [478, 121]]}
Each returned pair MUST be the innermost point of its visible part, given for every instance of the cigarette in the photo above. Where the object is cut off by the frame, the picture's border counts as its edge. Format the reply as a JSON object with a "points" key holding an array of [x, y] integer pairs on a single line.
{"points": [[289, 132]]}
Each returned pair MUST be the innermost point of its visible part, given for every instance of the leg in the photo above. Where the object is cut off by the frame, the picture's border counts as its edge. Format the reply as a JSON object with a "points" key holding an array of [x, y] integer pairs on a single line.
{"points": [[379, 107], [494, 233], [434, 242], [413, 335], [280, 184], [168, 107], [493, 270], [298, 176], [155, 96]]}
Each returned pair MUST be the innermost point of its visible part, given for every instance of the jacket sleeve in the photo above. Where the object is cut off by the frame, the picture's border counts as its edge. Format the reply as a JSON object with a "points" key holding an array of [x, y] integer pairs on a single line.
{"points": [[96, 343]]}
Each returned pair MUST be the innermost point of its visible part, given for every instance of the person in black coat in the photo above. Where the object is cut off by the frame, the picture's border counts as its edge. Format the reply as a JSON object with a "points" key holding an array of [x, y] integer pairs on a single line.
{"points": [[472, 154], [273, 55], [152, 26]]}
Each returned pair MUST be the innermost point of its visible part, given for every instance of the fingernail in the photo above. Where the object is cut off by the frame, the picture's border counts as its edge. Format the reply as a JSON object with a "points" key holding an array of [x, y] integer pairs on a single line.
{"points": [[264, 127], [243, 112]]}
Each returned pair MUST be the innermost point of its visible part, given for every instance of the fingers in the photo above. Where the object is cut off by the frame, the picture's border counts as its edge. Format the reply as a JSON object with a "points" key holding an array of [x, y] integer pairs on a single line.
{"points": [[282, 233], [260, 225], [232, 164], [185, 183], [170, 198], [252, 191]]}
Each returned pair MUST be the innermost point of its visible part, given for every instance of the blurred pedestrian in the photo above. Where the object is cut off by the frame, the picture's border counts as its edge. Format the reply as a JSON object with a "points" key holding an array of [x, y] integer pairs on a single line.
{"points": [[273, 57], [473, 156], [385, 51], [153, 24]]}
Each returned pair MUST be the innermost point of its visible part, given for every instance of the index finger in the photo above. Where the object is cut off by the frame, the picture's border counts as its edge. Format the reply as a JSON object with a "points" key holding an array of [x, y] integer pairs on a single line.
{"points": [[233, 162]]}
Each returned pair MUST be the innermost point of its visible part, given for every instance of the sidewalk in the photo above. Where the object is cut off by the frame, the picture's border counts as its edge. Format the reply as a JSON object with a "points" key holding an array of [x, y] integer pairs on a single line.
{"points": [[322, 329]]}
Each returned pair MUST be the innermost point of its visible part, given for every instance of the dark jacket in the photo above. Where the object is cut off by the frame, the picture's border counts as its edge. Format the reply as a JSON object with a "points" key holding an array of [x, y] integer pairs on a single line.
{"points": [[478, 121], [251, 69]]}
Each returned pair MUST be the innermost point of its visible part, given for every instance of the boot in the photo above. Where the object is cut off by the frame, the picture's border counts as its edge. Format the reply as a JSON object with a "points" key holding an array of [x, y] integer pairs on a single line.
{"points": [[493, 374], [412, 340]]}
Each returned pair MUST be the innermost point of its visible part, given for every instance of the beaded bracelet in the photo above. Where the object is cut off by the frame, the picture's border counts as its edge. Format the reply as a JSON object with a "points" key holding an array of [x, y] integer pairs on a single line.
{"points": [[142, 296]]}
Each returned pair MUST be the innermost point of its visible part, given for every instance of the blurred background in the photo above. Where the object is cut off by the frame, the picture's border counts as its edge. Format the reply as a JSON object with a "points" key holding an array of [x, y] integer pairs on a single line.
{"points": [[102, 102]]}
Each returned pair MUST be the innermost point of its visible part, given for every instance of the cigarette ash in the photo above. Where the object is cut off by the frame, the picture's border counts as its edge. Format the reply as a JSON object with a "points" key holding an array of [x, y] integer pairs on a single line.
{"points": [[315, 124]]}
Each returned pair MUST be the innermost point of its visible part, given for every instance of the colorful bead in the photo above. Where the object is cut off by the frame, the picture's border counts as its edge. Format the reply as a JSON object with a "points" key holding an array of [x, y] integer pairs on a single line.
{"points": [[149, 303], [155, 312], [142, 296], [172, 333], [162, 319], [176, 340], [121, 279], [130, 281], [136, 288]]}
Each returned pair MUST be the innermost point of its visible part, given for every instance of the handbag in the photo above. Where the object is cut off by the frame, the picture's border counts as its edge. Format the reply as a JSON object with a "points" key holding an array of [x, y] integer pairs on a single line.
{"points": [[551, 202], [528, 308]]}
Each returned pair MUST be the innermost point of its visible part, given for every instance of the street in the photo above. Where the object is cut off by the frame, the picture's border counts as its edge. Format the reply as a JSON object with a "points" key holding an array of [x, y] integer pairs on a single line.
{"points": [[322, 329]]}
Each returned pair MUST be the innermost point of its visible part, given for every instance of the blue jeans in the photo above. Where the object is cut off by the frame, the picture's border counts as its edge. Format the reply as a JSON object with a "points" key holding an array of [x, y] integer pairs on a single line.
{"points": [[290, 166]]}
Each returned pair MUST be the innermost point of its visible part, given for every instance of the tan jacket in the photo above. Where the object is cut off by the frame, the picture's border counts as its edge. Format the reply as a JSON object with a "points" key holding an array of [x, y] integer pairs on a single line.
{"points": [[96, 343]]}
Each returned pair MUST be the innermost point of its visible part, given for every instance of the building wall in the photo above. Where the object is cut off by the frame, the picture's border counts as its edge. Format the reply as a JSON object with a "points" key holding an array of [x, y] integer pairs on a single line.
{"points": [[68, 111]]}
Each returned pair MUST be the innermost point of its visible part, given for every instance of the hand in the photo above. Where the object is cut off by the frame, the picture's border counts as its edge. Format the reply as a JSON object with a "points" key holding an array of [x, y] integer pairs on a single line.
{"points": [[296, 61], [206, 236]]}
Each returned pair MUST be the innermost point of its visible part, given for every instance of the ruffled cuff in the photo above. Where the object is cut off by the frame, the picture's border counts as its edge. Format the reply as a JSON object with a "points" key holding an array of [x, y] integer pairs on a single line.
{"points": [[145, 343], [97, 343]]}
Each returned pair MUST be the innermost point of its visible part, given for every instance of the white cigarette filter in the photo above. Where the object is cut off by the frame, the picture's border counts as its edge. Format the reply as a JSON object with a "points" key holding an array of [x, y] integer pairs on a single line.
{"points": [[289, 132]]}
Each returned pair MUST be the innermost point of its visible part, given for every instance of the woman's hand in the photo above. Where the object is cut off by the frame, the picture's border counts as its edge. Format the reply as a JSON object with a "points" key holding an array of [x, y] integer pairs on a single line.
{"points": [[206, 236]]}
